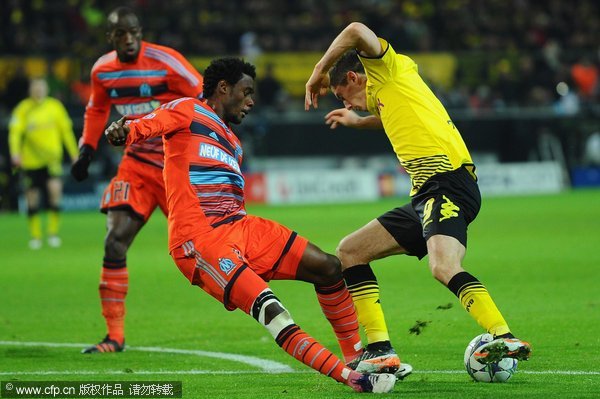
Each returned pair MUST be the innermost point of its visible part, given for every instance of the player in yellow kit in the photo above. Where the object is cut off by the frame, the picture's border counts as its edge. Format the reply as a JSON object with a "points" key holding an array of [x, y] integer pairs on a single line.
{"points": [[366, 74], [39, 128]]}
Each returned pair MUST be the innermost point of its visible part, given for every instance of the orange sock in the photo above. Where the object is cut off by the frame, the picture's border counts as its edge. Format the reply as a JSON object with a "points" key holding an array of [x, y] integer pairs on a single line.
{"points": [[113, 290], [338, 308], [306, 349]]}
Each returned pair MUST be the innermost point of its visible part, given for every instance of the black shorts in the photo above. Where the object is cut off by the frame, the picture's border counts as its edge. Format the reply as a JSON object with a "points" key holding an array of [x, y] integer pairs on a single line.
{"points": [[36, 178], [445, 204]]}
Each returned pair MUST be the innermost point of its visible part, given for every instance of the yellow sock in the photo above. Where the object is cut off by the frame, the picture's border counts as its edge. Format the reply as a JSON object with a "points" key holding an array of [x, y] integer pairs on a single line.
{"points": [[364, 289], [53, 222], [35, 226], [476, 300]]}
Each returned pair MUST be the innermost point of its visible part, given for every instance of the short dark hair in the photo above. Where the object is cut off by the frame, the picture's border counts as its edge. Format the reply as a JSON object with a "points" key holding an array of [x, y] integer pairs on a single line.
{"points": [[347, 62], [117, 14], [229, 69]]}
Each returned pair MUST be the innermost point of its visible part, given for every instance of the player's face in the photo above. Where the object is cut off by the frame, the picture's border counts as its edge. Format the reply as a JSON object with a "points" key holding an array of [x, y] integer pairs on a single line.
{"points": [[38, 89], [126, 38], [353, 94], [239, 101]]}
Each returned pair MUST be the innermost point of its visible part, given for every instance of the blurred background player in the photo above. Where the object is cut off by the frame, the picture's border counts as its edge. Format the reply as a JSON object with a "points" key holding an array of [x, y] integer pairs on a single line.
{"points": [[226, 252], [136, 78], [38, 130], [370, 76]]}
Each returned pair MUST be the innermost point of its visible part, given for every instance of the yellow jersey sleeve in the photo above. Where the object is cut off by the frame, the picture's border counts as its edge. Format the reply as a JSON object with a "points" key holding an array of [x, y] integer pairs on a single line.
{"points": [[16, 129], [422, 134]]}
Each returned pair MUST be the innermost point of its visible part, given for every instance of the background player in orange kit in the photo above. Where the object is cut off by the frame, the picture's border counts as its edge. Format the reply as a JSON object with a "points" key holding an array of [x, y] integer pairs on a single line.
{"points": [[136, 78], [226, 252]]}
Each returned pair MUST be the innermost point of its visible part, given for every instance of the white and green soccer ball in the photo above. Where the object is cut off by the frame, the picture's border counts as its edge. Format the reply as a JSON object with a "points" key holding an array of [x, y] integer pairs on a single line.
{"points": [[500, 371]]}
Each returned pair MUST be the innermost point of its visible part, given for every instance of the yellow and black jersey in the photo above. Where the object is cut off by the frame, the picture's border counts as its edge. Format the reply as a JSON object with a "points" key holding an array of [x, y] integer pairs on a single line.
{"points": [[422, 134], [37, 133]]}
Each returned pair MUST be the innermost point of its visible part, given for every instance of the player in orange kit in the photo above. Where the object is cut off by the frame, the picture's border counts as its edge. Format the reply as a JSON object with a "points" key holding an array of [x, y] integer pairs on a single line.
{"points": [[136, 78], [226, 252]]}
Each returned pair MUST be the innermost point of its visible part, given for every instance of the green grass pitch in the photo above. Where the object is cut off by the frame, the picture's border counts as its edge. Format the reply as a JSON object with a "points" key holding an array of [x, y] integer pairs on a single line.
{"points": [[538, 256]]}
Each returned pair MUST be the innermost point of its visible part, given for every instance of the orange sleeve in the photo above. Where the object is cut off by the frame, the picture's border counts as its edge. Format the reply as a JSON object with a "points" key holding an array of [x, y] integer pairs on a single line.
{"points": [[184, 79], [96, 114], [168, 118]]}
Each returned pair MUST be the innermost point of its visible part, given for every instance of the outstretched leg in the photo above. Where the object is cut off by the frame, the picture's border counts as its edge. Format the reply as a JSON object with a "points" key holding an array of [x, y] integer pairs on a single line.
{"points": [[270, 312], [238, 286]]}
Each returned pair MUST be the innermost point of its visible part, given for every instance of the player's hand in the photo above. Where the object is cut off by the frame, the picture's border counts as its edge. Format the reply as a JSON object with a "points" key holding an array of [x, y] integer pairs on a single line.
{"points": [[342, 116], [117, 132], [16, 161], [317, 85], [79, 169]]}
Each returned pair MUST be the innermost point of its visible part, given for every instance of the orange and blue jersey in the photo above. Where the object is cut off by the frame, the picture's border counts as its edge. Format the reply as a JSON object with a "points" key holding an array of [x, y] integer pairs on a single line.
{"points": [[159, 75], [202, 172]]}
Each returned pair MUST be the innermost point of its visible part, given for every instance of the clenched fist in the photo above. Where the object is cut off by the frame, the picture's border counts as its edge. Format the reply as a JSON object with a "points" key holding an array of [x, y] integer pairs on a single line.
{"points": [[117, 132]]}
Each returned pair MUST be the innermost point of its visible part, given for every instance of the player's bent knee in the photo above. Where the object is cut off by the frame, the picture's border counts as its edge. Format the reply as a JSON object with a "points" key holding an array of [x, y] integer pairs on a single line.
{"points": [[270, 312], [331, 271], [443, 272], [115, 246], [345, 252]]}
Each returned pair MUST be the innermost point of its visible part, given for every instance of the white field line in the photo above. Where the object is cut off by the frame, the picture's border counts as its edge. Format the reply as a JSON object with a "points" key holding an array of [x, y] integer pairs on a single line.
{"points": [[266, 366], [239, 372]]}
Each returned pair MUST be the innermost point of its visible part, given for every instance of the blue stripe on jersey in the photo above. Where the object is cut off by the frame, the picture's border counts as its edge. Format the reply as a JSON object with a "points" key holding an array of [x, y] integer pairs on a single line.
{"points": [[214, 177], [209, 114], [201, 129], [220, 194], [133, 73]]}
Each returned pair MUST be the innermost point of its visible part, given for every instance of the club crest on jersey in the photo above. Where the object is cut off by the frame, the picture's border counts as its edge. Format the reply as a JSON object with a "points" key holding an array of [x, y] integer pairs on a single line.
{"points": [[226, 265], [145, 90]]}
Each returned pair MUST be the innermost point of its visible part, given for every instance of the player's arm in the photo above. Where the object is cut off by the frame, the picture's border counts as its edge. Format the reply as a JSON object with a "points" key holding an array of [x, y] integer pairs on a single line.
{"points": [[349, 118], [355, 36], [16, 131], [94, 121], [168, 118], [184, 79]]}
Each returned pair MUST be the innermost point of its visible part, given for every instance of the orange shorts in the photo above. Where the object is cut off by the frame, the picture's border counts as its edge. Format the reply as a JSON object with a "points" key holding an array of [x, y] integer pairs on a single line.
{"points": [[137, 187], [233, 262]]}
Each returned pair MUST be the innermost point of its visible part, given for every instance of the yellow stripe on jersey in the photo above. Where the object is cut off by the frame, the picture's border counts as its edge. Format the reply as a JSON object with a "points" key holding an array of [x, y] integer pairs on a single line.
{"points": [[421, 169], [422, 134]]}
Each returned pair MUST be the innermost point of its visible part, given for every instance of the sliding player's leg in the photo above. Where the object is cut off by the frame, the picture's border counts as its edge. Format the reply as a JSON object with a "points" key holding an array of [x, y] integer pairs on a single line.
{"points": [[277, 253], [232, 281]]}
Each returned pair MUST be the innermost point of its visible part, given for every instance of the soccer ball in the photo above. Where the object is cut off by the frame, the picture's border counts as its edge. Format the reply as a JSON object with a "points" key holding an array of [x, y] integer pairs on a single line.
{"points": [[493, 372]]}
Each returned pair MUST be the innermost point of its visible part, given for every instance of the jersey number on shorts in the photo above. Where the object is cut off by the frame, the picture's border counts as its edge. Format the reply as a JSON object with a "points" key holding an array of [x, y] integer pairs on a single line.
{"points": [[121, 191]]}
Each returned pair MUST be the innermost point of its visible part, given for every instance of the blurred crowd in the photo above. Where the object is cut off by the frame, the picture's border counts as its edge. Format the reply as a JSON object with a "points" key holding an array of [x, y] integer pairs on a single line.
{"points": [[510, 52]]}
